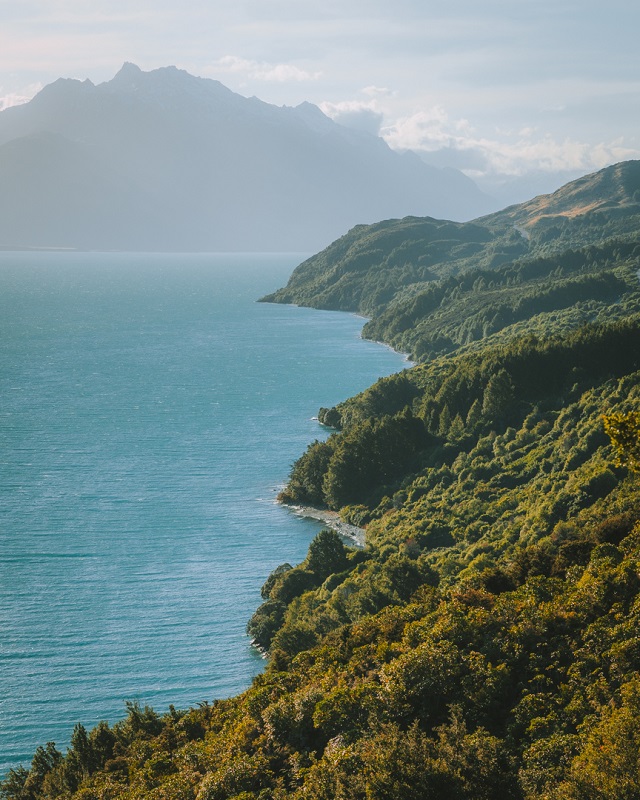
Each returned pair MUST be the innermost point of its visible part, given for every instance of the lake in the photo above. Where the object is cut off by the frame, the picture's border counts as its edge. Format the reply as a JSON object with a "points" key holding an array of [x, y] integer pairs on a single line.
{"points": [[150, 411]]}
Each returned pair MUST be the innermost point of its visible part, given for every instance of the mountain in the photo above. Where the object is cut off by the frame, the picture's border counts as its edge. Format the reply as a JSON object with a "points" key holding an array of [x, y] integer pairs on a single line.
{"points": [[395, 261], [484, 644], [602, 197], [163, 160]]}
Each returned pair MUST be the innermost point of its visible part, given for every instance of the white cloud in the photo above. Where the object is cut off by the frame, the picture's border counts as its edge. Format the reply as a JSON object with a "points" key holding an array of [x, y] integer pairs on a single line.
{"points": [[347, 106], [263, 70], [424, 130], [506, 152], [358, 116], [364, 115], [377, 91], [20, 97]]}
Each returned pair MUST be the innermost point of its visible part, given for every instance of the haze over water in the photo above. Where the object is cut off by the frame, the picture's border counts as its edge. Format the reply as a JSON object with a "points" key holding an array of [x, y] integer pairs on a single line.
{"points": [[150, 411]]}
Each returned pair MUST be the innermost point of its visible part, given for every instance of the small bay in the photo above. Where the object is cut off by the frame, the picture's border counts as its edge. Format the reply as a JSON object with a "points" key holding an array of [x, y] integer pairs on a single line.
{"points": [[150, 410]]}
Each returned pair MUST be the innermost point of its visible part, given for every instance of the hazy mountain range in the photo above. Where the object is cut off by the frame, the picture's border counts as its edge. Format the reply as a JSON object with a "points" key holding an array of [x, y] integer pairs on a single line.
{"points": [[163, 160]]}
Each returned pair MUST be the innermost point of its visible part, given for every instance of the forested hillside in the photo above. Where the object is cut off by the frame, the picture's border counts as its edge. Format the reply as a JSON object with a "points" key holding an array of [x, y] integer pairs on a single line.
{"points": [[484, 644], [381, 266]]}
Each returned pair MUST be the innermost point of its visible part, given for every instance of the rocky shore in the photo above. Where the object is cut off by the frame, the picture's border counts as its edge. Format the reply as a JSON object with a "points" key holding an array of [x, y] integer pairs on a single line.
{"points": [[332, 520]]}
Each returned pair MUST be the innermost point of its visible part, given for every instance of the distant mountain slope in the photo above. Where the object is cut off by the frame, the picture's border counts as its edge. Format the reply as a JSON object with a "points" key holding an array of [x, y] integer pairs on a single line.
{"points": [[61, 195], [606, 202], [165, 160], [613, 187], [387, 267]]}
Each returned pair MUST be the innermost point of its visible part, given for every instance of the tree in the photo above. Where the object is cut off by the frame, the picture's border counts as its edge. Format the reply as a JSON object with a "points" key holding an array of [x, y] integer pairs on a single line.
{"points": [[474, 415], [327, 554], [273, 578], [456, 429], [445, 421], [624, 432], [12, 787], [78, 763], [305, 481], [608, 766], [23, 785], [498, 395]]}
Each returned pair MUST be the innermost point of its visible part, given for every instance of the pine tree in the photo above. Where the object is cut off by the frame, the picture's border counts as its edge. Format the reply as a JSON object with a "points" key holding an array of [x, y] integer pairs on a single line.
{"points": [[444, 421], [474, 415], [498, 395]]}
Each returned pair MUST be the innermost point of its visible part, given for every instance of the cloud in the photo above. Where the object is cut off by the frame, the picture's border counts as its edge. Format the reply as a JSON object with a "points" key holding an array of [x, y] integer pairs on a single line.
{"points": [[19, 98], [377, 91], [506, 152], [263, 70], [360, 115]]}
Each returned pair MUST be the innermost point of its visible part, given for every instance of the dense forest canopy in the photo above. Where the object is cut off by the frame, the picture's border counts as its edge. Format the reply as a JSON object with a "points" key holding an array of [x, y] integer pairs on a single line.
{"points": [[484, 643], [376, 267]]}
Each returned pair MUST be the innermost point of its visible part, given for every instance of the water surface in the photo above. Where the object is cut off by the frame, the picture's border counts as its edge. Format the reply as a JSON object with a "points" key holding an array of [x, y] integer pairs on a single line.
{"points": [[150, 409]]}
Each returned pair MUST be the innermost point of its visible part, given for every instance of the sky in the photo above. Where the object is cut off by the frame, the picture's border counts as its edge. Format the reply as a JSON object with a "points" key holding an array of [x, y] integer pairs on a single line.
{"points": [[508, 91]]}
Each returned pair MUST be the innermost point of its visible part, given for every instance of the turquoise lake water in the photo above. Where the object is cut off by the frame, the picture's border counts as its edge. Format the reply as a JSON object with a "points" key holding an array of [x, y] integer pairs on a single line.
{"points": [[150, 410]]}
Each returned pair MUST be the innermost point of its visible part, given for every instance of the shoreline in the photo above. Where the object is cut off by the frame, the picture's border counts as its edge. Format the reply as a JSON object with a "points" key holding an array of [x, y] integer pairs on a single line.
{"points": [[356, 538], [406, 356], [332, 520]]}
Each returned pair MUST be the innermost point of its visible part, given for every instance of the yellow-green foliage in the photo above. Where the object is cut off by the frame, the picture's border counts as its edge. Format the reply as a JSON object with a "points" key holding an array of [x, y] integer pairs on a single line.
{"points": [[485, 643], [624, 431], [473, 690]]}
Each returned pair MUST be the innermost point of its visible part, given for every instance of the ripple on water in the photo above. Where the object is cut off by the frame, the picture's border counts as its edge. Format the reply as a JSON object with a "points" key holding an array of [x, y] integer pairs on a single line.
{"points": [[150, 411]]}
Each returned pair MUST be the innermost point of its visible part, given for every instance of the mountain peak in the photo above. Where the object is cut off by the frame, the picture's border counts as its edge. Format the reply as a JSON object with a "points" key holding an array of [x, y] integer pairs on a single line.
{"points": [[165, 84], [186, 163], [131, 76], [127, 71], [309, 108], [312, 116], [61, 89]]}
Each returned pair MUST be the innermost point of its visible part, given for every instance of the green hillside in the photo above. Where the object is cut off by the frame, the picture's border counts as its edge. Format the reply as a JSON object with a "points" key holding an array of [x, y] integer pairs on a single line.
{"points": [[363, 270], [484, 644], [606, 201], [560, 292], [376, 266]]}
